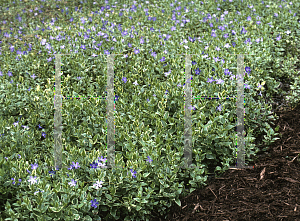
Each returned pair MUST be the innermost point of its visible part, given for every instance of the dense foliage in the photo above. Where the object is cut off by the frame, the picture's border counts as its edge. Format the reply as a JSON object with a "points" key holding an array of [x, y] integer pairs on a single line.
{"points": [[149, 79]]}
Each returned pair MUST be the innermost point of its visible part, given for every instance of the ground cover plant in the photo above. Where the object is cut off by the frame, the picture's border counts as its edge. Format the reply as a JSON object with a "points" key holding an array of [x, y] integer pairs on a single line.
{"points": [[149, 113], [268, 191]]}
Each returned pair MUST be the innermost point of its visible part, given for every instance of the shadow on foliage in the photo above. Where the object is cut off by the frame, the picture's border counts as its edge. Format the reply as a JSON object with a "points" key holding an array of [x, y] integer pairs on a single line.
{"points": [[269, 191]]}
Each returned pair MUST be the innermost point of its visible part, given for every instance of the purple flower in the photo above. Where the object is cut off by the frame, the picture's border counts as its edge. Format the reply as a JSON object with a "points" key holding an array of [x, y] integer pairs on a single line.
{"points": [[43, 42], [227, 72], [94, 165], [197, 71], [248, 69], [133, 173], [34, 166], [210, 80], [219, 81], [278, 38], [76, 166], [153, 54], [94, 203], [72, 183], [243, 31]]}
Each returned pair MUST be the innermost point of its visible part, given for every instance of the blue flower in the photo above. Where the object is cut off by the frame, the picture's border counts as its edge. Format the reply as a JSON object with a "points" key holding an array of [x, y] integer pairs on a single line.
{"points": [[247, 86], [210, 80], [34, 166], [72, 183], [94, 203]]}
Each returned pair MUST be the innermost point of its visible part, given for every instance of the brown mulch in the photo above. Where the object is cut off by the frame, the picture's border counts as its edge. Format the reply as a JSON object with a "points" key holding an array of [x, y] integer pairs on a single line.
{"points": [[269, 191]]}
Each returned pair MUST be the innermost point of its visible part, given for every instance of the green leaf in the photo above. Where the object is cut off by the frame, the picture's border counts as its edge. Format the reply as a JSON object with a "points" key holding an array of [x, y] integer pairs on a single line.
{"points": [[142, 142], [163, 123], [44, 208], [218, 168], [88, 218], [228, 127], [108, 196], [137, 199], [144, 201], [146, 174], [166, 116], [162, 182], [56, 210], [160, 106], [80, 205], [76, 216], [209, 156], [178, 202], [226, 143], [157, 140]]}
